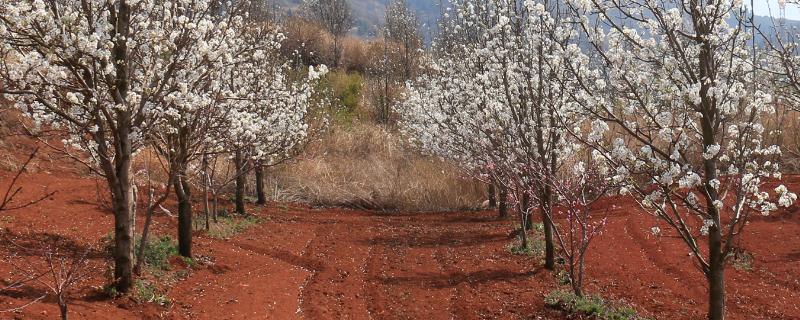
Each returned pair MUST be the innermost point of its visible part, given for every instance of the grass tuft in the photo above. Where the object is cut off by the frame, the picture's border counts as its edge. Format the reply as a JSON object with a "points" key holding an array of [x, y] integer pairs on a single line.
{"points": [[590, 306], [742, 260], [146, 291], [158, 251], [228, 227]]}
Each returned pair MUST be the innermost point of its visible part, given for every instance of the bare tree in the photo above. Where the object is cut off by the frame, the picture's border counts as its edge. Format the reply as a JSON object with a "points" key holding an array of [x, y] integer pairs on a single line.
{"points": [[336, 16], [575, 193], [52, 262], [13, 190], [402, 27], [55, 270]]}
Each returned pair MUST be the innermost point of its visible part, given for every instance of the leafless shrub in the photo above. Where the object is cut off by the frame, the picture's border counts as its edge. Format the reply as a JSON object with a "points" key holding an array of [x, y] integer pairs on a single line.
{"points": [[44, 265]]}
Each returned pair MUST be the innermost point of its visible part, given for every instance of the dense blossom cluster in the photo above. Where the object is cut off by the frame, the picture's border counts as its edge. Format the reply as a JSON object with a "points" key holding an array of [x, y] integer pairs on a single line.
{"points": [[186, 77], [669, 98], [488, 102]]}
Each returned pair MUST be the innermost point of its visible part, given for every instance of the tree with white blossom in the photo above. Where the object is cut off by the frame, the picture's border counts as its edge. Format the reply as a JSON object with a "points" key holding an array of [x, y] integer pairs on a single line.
{"points": [[496, 103], [98, 69], [678, 117], [190, 107], [116, 75]]}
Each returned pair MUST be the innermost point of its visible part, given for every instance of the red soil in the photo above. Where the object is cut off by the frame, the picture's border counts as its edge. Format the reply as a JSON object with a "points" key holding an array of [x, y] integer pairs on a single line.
{"points": [[336, 264]]}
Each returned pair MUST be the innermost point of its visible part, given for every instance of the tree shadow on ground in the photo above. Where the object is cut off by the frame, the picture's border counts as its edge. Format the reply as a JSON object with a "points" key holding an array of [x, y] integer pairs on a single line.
{"points": [[435, 239], [286, 256], [448, 280], [35, 244]]}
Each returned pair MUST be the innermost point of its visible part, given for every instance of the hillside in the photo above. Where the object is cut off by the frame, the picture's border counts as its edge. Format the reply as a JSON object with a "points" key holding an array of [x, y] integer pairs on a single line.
{"points": [[369, 14]]}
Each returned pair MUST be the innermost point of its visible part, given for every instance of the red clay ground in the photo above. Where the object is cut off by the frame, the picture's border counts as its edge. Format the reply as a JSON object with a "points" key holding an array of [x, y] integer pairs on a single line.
{"points": [[340, 264]]}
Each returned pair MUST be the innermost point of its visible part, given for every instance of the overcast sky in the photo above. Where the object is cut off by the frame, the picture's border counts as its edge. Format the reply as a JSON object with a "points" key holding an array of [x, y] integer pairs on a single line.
{"points": [[764, 7]]}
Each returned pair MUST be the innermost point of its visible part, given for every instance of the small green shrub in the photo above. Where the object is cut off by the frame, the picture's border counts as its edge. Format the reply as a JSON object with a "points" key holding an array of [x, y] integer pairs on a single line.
{"points": [[536, 244], [517, 248], [222, 212], [111, 291], [227, 227], [742, 260], [146, 291], [158, 251], [591, 306], [347, 88]]}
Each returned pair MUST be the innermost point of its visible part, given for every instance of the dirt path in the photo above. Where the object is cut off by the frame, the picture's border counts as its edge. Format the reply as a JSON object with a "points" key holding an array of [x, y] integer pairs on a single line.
{"points": [[340, 264], [303, 263]]}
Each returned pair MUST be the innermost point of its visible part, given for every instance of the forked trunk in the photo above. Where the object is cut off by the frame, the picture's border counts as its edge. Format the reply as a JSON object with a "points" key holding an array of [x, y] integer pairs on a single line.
{"points": [[140, 258], [523, 231], [526, 204]]}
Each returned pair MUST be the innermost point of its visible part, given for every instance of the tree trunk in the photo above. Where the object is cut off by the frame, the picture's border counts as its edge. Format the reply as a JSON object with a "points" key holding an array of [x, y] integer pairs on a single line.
{"points": [[122, 204], [140, 259], [260, 193], [502, 206], [492, 196], [62, 306], [547, 224], [526, 205], [214, 202], [184, 215], [118, 170], [240, 181], [716, 276], [206, 208], [523, 231], [206, 182]]}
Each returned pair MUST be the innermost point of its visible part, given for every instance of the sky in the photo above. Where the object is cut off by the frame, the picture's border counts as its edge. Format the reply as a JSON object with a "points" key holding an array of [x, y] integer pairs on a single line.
{"points": [[765, 7]]}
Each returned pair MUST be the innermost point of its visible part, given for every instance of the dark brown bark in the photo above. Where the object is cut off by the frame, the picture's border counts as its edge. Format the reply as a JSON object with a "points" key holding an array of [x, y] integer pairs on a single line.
{"points": [[123, 233], [523, 229], [547, 224], [492, 196], [62, 306], [182, 192], [119, 179], [716, 276], [240, 181], [502, 206], [526, 205], [206, 207], [260, 192]]}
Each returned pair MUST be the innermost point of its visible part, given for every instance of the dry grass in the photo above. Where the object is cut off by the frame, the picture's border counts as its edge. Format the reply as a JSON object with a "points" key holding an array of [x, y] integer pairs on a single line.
{"points": [[366, 166]]}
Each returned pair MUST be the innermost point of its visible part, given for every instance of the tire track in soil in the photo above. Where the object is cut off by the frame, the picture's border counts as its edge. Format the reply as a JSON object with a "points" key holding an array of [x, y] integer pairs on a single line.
{"points": [[671, 281], [235, 287], [679, 273], [334, 289], [670, 269], [406, 281]]}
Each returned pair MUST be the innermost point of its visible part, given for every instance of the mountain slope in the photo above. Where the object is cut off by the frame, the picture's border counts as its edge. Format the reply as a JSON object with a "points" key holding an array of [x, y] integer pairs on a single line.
{"points": [[369, 14]]}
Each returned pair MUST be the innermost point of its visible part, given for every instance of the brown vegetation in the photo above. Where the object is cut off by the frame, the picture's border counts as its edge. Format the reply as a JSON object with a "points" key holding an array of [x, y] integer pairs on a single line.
{"points": [[367, 166]]}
